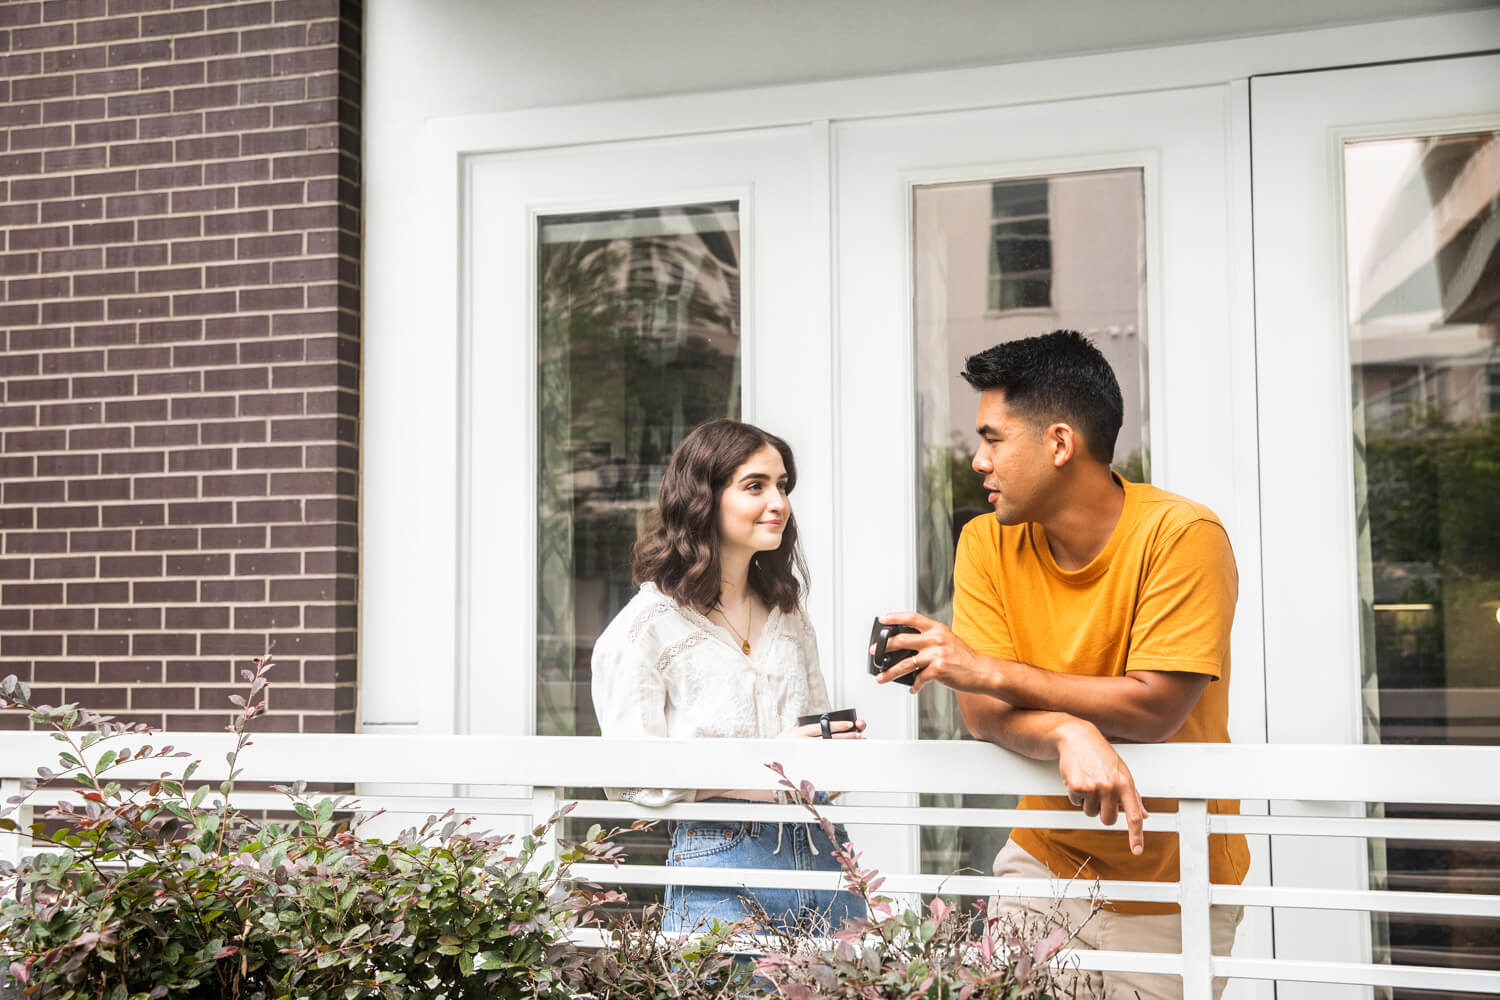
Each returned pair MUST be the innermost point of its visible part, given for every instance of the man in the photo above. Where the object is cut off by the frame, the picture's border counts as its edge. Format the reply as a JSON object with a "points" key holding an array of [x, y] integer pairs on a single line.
{"points": [[1088, 609]]}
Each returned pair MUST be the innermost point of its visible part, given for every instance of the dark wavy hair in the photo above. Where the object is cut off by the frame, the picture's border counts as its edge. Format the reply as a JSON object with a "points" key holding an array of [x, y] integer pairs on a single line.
{"points": [[679, 551], [1058, 376]]}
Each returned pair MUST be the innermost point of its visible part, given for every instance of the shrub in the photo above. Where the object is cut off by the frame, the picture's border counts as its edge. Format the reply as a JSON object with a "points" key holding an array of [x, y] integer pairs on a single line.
{"points": [[159, 892]]}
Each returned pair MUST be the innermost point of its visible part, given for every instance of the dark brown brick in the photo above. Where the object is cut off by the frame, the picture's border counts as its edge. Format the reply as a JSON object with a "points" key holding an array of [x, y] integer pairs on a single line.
{"points": [[99, 541], [110, 81], [63, 620], [98, 644], [165, 487], [31, 645], [129, 619], [198, 98], [171, 126], [161, 643], [68, 517], [238, 537], [36, 491], [199, 672], [98, 438], [241, 485], [67, 465], [203, 199], [64, 568], [31, 593], [166, 331], [84, 490], [133, 515], [203, 46], [129, 566], [196, 251], [109, 30], [197, 304], [201, 460], [268, 564], [107, 283], [165, 539], [36, 541], [287, 457], [129, 671], [98, 593], [103, 385], [233, 592], [132, 463], [200, 564], [169, 382], [237, 326], [234, 432], [206, 355]]}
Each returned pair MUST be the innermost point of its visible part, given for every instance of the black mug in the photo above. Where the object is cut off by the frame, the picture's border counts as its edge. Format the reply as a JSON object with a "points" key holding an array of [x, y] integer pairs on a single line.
{"points": [[882, 659], [824, 718]]}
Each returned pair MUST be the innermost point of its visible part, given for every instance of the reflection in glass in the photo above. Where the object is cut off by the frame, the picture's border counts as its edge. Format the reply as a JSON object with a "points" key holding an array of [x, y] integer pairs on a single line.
{"points": [[1422, 231], [638, 338], [996, 261]]}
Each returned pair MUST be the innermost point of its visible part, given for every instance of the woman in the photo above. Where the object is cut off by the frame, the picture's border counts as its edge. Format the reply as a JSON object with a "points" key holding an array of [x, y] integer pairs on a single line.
{"points": [[715, 644]]}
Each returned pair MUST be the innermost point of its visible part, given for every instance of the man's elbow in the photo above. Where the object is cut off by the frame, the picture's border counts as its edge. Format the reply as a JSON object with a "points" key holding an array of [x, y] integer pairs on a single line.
{"points": [[1150, 727]]}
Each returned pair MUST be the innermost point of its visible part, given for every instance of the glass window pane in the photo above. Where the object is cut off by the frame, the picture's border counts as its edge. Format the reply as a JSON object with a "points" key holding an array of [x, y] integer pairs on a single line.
{"points": [[638, 342], [996, 261], [1422, 231]]}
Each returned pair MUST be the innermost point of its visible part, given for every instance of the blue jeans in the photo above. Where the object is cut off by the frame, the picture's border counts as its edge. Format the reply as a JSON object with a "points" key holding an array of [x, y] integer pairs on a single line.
{"points": [[775, 846]]}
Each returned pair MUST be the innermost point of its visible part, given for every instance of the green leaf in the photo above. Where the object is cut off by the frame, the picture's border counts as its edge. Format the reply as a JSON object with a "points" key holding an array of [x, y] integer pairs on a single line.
{"points": [[198, 796]]}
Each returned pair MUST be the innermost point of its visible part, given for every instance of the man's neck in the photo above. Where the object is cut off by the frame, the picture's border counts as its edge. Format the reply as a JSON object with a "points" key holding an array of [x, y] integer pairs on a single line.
{"points": [[1082, 526]]}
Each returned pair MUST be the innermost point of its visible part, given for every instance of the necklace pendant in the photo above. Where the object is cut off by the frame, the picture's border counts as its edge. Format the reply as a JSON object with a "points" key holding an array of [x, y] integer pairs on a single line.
{"points": [[745, 646]]}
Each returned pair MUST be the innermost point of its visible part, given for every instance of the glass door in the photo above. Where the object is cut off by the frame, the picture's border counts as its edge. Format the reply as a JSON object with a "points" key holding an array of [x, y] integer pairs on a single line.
{"points": [[1378, 311], [619, 296], [956, 231]]}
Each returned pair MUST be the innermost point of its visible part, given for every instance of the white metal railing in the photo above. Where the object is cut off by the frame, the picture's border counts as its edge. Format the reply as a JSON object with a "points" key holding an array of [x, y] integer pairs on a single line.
{"points": [[530, 774]]}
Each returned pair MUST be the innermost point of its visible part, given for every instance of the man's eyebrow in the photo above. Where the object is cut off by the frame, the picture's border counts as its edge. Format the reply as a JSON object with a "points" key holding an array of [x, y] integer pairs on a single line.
{"points": [[985, 430]]}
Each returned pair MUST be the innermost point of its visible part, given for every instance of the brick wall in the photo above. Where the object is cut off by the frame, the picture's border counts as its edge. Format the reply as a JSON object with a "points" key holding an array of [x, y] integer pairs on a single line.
{"points": [[179, 196]]}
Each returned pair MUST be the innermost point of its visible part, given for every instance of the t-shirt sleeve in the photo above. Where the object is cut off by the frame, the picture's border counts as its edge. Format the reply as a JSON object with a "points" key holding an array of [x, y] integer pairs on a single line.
{"points": [[978, 611], [630, 700], [1186, 604]]}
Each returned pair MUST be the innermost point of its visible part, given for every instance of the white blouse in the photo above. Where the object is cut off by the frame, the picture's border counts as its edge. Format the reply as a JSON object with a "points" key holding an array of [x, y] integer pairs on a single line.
{"points": [[664, 670]]}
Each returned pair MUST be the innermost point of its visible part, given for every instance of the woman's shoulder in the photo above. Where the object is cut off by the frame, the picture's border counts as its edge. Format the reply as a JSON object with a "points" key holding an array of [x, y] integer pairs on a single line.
{"points": [[639, 621]]}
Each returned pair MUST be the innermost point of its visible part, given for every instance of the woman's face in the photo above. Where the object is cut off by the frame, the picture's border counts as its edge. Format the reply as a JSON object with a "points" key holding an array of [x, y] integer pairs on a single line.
{"points": [[754, 508]]}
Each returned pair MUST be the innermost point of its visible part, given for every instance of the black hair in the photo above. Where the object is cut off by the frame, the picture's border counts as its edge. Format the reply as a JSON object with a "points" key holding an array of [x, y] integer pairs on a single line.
{"points": [[1057, 376]]}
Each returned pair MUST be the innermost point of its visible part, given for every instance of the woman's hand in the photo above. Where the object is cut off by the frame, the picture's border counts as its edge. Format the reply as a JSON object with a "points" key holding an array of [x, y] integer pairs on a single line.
{"points": [[841, 730]]}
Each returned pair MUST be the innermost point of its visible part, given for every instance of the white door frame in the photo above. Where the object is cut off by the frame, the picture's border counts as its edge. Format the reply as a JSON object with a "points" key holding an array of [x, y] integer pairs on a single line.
{"points": [[410, 532], [1313, 683]]}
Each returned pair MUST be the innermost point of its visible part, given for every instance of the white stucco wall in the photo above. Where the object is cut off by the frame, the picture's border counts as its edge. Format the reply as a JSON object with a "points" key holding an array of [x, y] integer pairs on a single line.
{"points": [[437, 59]]}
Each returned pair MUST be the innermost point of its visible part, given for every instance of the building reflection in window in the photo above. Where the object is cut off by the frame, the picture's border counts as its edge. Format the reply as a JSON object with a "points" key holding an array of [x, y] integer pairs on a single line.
{"points": [[996, 260], [1422, 230], [638, 342]]}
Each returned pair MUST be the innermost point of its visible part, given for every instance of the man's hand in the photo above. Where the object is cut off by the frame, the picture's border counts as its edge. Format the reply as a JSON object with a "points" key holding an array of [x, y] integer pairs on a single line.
{"points": [[941, 656], [1098, 780]]}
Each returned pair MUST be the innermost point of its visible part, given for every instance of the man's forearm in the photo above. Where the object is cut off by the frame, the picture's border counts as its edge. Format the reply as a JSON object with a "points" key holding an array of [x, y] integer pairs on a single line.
{"points": [[1142, 707], [1031, 733]]}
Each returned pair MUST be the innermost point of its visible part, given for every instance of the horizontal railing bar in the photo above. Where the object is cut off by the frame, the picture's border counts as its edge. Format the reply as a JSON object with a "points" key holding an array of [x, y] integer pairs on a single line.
{"points": [[1447, 904], [1421, 977], [1112, 961], [869, 815], [959, 885], [1417, 775], [1358, 826]]}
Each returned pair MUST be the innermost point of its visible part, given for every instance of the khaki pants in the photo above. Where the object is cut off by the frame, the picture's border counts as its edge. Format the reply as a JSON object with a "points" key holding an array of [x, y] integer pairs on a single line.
{"points": [[1109, 931]]}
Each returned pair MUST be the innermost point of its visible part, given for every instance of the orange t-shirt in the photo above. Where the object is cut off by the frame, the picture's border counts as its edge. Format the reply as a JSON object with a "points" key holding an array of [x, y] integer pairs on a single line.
{"points": [[1159, 597]]}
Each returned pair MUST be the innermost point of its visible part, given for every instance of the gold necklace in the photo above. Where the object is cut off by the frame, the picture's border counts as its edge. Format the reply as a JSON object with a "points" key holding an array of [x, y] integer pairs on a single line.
{"points": [[749, 620]]}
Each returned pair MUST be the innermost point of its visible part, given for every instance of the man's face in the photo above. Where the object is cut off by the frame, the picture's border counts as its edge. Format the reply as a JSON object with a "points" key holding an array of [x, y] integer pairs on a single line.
{"points": [[1015, 459]]}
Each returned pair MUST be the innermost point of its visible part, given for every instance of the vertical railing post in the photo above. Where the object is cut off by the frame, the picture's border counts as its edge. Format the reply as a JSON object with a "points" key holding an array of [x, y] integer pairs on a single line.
{"points": [[11, 842], [1193, 881], [543, 805]]}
